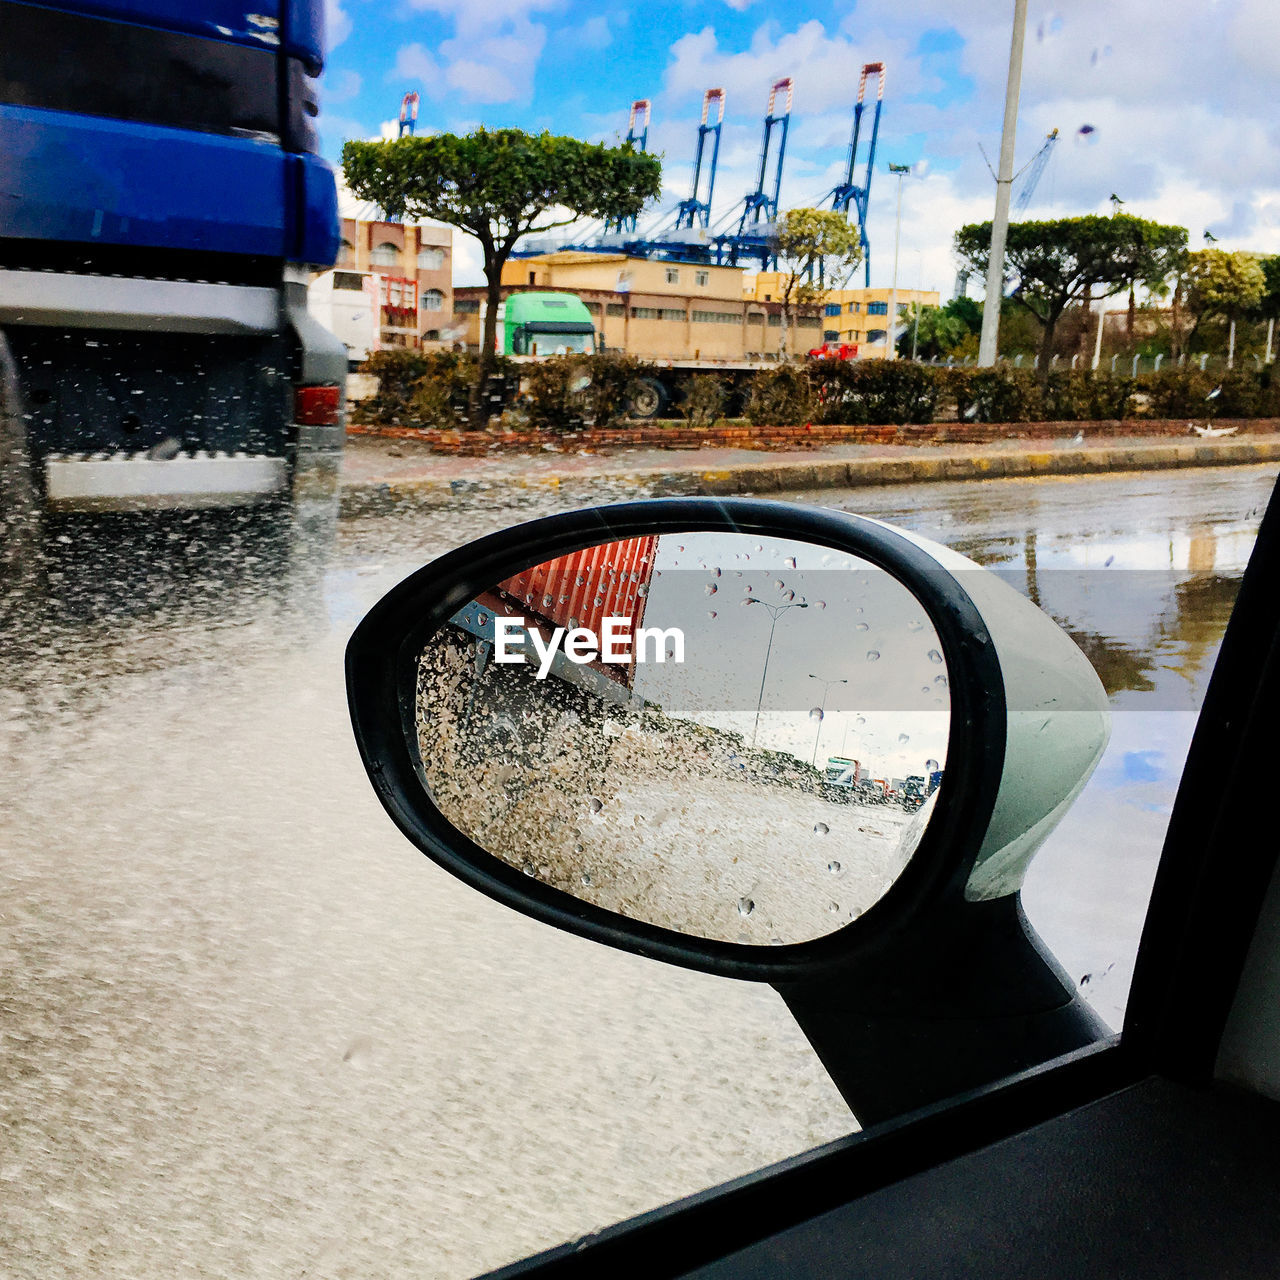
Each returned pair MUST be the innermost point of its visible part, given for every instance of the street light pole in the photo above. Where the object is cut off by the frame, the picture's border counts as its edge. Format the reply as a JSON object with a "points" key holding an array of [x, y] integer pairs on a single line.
{"points": [[987, 343], [822, 712], [891, 351], [775, 612]]}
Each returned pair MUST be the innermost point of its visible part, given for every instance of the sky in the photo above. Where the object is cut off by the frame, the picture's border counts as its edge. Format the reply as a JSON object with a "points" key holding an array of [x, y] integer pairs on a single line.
{"points": [[1169, 107]]}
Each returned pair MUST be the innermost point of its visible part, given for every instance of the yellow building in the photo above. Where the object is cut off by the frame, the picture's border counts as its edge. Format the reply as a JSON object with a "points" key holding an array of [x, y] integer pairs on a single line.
{"points": [[656, 310], [850, 315]]}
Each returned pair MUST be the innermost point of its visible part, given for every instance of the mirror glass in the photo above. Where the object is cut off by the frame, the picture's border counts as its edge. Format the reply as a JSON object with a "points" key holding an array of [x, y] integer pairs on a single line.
{"points": [[735, 737]]}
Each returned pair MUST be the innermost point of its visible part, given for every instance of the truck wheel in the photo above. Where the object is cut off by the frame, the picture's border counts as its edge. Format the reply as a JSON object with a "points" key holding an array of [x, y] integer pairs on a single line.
{"points": [[648, 399]]}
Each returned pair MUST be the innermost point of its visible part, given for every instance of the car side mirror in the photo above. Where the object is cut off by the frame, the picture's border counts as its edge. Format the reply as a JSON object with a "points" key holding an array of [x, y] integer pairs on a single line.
{"points": [[767, 741]]}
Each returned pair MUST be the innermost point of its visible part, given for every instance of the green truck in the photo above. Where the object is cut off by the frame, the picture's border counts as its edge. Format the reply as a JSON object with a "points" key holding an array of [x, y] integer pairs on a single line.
{"points": [[546, 324]]}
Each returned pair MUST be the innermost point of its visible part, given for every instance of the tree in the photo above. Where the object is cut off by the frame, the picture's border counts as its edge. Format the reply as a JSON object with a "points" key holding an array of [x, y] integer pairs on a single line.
{"points": [[500, 185], [1215, 282], [1053, 264], [812, 246], [941, 329], [1269, 304]]}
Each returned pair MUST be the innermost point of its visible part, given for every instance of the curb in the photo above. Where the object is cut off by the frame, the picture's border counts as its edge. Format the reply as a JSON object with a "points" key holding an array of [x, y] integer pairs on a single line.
{"points": [[377, 497]]}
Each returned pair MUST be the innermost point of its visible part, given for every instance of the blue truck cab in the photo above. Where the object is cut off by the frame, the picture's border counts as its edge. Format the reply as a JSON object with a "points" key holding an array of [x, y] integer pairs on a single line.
{"points": [[162, 205]]}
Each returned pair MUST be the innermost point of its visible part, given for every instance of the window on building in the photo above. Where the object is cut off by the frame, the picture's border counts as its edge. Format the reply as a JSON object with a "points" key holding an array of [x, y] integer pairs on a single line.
{"points": [[768, 297], [831, 335], [466, 306], [673, 313], [831, 309], [808, 322], [431, 335], [673, 275], [775, 320], [348, 280], [645, 313], [877, 308], [615, 309], [702, 279], [854, 308], [875, 335], [593, 307], [430, 259], [717, 317], [755, 317], [433, 300], [385, 254], [347, 254]]}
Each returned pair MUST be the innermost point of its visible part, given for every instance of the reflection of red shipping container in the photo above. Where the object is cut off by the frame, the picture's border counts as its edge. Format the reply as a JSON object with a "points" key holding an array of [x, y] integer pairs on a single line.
{"points": [[582, 589]]}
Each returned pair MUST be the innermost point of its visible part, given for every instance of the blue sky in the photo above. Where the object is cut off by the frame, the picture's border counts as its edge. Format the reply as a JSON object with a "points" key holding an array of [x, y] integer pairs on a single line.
{"points": [[1178, 104]]}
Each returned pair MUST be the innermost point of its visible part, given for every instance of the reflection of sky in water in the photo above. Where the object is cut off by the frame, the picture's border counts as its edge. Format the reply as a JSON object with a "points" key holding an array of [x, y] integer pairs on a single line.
{"points": [[860, 636]]}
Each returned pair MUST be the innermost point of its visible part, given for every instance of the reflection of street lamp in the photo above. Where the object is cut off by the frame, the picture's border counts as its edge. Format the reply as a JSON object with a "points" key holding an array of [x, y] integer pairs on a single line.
{"points": [[822, 711], [775, 612]]}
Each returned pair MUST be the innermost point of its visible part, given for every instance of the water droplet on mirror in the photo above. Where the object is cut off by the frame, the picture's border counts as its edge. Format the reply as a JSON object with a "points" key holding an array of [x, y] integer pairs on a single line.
{"points": [[934, 656], [681, 549], [834, 868], [711, 588], [643, 590], [788, 596], [527, 868], [582, 582], [859, 720], [860, 626], [547, 602], [745, 906], [744, 603], [819, 604], [789, 562], [903, 739], [595, 804], [815, 713], [915, 625], [778, 584], [833, 907], [711, 613], [940, 681], [873, 655], [715, 573], [586, 879], [483, 619], [821, 829]]}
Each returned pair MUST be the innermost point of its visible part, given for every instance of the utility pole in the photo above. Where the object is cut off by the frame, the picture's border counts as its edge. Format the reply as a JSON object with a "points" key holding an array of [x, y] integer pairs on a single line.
{"points": [[987, 343], [822, 711], [775, 612], [891, 350]]}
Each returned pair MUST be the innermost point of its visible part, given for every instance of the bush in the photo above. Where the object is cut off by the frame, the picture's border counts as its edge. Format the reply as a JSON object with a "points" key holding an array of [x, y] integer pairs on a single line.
{"points": [[423, 389], [874, 391], [704, 400], [1081, 395], [999, 394], [780, 397], [566, 393], [1234, 393], [615, 377]]}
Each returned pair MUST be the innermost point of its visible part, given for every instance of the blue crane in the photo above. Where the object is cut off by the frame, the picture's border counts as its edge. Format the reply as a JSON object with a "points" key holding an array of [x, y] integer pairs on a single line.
{"points": [[758, 218], [408, 114], [848, 193], [638, 137]]}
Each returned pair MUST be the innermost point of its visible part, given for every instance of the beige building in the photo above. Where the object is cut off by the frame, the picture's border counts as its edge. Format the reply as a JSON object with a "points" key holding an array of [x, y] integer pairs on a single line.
{"points": [[655, 310], [414, 264], [856, 316]]}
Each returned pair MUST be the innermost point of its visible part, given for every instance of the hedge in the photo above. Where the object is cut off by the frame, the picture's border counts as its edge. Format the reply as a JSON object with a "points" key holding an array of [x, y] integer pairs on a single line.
{"points": [[565, 393]]}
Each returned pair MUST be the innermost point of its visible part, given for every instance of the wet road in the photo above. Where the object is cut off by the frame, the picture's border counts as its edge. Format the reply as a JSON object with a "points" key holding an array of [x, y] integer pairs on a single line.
{"points": [[249, 1031]]}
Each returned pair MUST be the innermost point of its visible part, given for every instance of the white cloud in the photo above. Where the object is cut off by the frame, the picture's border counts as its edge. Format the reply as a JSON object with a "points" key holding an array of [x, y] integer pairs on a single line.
{"points": [[337, 23], [491, 57], [342, 86]]}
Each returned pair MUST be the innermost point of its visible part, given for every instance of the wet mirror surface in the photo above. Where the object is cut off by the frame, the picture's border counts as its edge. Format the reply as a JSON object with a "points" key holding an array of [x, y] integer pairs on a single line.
{"points": [[735, 737]]}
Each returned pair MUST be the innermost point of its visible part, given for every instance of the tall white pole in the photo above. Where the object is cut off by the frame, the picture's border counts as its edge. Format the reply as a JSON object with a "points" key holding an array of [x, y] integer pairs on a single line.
{"points": [[891, 350], [1271, 332], [1004, 182], [1097, 337]]}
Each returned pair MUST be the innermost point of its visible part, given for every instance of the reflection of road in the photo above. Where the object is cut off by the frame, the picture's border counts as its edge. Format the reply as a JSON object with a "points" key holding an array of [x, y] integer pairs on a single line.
{"points": [[249, 1031], [741, 862]]}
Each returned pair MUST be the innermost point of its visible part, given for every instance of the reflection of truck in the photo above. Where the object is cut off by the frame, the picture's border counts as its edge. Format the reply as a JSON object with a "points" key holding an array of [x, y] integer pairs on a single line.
{"points": [[843, 774], [162, 203], [577, 590], [347, 304]]}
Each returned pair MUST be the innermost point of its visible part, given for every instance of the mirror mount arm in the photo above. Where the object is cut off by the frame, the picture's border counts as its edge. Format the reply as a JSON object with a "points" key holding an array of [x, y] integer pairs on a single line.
{"points": [[961, 1002]]}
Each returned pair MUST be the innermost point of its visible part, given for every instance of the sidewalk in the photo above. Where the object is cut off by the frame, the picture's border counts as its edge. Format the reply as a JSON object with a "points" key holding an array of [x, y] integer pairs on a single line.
{"points": [[380, 475]]}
